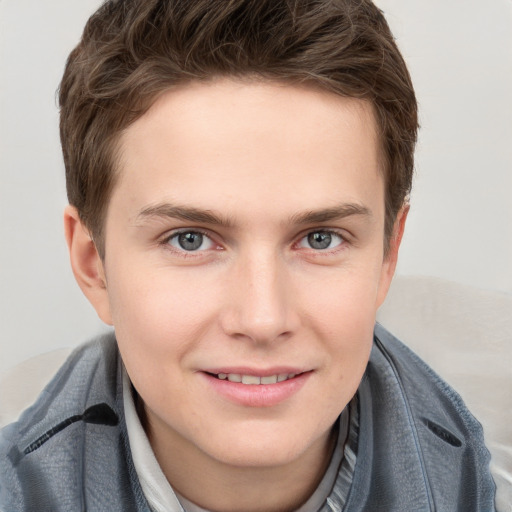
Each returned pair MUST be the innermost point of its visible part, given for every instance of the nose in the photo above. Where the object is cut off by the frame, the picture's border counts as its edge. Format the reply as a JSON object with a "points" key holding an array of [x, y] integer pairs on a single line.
{"points": [[259, 300]]}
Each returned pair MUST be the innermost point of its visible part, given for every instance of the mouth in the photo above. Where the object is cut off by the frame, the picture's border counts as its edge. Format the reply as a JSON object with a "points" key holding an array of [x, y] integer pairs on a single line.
{"points": [[253, 387], [255, 380]]}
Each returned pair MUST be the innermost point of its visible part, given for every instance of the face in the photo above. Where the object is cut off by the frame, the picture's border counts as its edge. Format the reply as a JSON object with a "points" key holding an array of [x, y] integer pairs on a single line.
{"points": [[244, 242]]}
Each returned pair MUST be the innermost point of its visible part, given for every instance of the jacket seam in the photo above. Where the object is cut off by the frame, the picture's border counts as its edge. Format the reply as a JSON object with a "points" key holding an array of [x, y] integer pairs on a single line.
{"points": [[412, 422]]}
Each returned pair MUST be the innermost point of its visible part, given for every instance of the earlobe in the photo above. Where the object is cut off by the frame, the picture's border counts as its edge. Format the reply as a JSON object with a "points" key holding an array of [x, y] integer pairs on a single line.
{"points": [[391, 258], [86, 263]]}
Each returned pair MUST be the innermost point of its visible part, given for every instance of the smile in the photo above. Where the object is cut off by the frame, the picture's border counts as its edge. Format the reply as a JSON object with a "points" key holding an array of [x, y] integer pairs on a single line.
{"points": [[253, 380], [249, 389]]}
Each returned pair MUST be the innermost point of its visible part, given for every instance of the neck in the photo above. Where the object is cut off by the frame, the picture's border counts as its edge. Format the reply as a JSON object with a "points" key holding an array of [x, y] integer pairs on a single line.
{"points": [[236, 488]]}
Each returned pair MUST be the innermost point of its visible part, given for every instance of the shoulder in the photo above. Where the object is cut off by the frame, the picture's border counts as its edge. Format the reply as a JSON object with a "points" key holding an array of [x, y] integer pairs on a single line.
{"points": [[418, 421], [426, 393], [73, 424], [89, 372]]}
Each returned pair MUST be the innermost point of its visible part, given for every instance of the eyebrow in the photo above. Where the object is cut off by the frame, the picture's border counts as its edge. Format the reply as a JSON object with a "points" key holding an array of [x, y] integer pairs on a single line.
{"points": [[191, 214], [330, 214], [167, 210]]}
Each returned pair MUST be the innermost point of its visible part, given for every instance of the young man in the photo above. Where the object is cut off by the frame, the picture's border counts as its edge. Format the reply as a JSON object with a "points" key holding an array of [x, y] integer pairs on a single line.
{"points": [[238, 176]]}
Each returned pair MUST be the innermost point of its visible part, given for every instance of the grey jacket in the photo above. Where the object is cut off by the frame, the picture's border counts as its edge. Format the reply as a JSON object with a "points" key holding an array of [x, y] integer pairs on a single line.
{"points": [[419, 448]]}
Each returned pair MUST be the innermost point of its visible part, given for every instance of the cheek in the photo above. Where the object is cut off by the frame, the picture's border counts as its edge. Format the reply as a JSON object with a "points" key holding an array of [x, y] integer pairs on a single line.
{"points": [[343, 317], [345, 299], [159, 321], [158, 316]]}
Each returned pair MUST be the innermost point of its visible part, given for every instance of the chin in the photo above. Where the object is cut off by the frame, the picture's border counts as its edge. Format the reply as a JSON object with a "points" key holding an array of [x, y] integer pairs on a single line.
{"points": [[265, 446]]}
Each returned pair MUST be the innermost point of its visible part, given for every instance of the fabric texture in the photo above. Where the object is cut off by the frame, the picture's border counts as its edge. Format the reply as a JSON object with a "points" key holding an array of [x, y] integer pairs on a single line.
{"points": [[418, 448]]}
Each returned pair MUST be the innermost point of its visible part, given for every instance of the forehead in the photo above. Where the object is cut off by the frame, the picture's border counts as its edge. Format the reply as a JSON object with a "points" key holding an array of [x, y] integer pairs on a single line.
{"points": [[210, 143]]}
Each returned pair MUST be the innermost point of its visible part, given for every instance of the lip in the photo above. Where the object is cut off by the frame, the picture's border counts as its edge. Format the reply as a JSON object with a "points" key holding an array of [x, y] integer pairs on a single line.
{"points": [[260, 395], [245, 370]]}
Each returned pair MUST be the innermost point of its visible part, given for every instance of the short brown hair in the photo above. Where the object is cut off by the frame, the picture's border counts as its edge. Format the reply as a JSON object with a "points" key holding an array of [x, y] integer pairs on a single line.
{"points": [[131, 51]]}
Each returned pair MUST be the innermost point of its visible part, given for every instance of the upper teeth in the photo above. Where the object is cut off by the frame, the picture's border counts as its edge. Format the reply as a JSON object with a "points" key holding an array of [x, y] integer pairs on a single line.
{"points": [[254, 379]]}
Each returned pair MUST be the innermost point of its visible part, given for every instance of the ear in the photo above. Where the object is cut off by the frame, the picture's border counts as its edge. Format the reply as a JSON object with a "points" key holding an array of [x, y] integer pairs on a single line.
{"points": [[86, 264], [391, 258]]}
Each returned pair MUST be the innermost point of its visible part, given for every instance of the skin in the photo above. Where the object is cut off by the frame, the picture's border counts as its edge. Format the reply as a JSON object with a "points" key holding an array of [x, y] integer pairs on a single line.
{"points": [[271, 164]]}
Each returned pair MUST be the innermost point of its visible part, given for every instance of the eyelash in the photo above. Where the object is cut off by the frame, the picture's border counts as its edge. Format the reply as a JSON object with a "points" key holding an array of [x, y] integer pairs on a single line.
{"points": [[184, 253], [165, 242], [331, 233]]}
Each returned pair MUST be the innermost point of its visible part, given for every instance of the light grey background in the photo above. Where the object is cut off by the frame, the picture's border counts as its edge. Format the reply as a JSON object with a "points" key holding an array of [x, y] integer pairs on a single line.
{"points": [[460, 226]]}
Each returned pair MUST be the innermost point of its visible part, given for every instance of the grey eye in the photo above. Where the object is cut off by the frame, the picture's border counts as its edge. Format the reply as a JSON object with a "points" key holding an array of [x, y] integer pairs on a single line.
{"points": [[190, 241], [321, 240]]}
